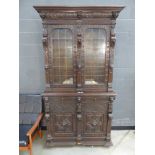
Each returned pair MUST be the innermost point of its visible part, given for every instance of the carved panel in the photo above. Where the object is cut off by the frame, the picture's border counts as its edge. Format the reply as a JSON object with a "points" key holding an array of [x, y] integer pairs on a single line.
{"points": [[94, 123], [63, 123]]}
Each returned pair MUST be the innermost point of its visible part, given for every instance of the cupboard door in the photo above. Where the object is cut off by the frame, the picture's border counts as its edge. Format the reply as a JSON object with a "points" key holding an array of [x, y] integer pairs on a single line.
{"points": [[95, 117], [63, 119], [95, 55], [61, 56]]}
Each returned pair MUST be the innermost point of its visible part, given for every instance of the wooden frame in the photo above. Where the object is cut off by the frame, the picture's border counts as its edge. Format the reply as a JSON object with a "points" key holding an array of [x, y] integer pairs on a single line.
{"points": [[30, 135]]}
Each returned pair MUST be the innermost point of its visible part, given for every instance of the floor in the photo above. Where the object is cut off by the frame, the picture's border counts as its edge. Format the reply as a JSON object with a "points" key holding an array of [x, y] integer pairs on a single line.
{"points": [[123, 144]]}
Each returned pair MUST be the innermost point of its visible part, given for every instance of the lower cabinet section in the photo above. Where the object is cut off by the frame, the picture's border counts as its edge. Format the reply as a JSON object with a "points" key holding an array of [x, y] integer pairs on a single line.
{"points": [[78, 120]]}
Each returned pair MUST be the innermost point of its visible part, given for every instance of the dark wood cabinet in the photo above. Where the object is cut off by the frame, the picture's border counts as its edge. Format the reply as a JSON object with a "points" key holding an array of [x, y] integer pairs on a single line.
{"points": [[79, 47]]}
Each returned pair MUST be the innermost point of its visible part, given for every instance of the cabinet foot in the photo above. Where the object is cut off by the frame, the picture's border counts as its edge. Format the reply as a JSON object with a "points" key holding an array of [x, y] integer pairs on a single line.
{"points": [[108, 143]]}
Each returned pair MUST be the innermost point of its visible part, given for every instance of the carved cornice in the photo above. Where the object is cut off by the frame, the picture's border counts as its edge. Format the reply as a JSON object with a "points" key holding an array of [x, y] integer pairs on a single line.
{"points": [[59, 12]]}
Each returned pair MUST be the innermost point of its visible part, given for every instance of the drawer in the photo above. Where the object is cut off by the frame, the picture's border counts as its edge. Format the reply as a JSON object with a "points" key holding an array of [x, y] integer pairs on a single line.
{"points": [[95, 104], [60, 104]]}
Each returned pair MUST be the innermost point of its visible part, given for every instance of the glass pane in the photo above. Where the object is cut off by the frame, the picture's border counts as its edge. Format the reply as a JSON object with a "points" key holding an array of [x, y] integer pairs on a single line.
{"points": [[94, 49], [62, 56]]}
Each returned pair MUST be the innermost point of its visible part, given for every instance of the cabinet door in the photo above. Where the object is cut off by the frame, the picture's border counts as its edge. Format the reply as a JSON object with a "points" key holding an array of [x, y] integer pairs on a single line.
{"points": [[95, 56], [63, 119], [95, 116], [61, 56]]}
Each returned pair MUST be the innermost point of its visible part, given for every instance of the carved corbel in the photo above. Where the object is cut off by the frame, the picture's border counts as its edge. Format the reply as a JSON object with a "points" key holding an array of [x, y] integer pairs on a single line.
{"points": [[115, 14], [42, 15]]}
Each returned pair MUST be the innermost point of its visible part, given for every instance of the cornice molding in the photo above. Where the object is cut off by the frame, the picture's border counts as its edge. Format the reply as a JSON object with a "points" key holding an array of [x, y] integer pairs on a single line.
{"points": [[68, 12]]}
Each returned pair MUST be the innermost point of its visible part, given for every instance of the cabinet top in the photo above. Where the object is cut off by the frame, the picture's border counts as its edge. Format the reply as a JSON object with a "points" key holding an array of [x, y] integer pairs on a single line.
{"points": [[54, 7], [51, 12]]}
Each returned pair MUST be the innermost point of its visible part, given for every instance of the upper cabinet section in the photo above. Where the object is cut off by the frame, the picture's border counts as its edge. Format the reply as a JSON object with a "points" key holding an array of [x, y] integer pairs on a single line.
{"points": [[78, 45]]}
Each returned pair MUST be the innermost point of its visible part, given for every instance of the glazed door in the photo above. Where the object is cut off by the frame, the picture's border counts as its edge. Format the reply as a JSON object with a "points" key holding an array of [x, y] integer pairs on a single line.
{"points": [[61, 55], [96, 55]]}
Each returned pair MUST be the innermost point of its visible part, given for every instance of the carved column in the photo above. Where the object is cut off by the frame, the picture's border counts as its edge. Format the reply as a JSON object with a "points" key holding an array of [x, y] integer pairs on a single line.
{"points": [[107, 61], [111, 56], [79, 65], [79, 120], [108, 137], [45, 47], [47, 117]]}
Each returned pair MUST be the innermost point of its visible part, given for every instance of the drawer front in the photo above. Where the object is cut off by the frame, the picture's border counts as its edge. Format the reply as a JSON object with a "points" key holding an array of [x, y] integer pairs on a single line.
{"points": [[62, 104], [95, 104]]}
